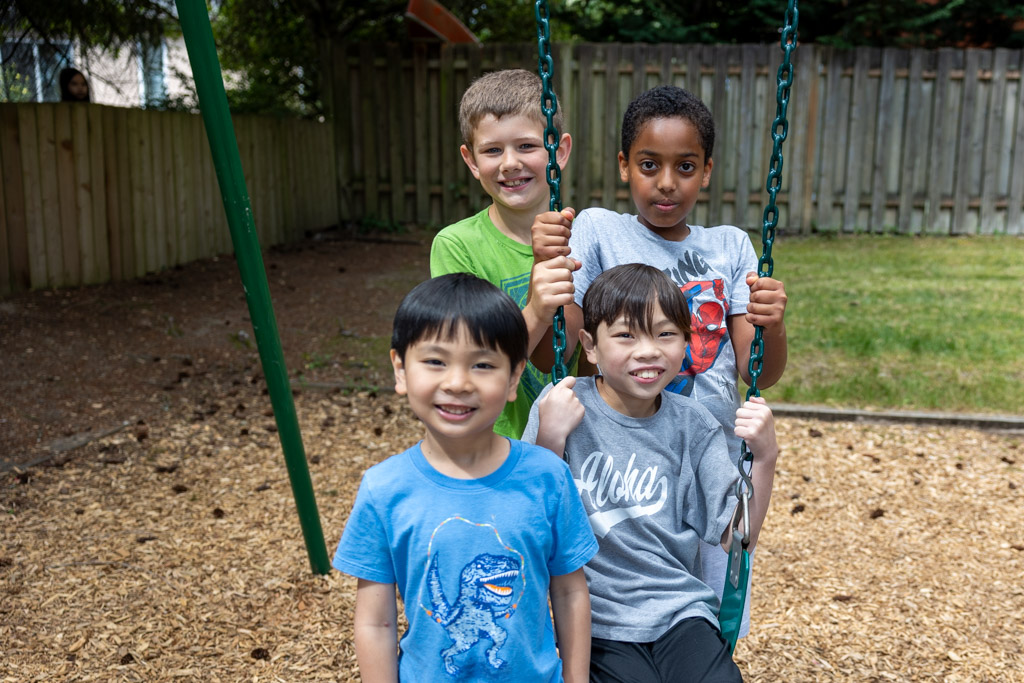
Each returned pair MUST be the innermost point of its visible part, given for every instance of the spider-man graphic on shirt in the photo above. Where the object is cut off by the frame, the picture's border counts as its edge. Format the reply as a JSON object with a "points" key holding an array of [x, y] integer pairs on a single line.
{"points": [[709, 331]]}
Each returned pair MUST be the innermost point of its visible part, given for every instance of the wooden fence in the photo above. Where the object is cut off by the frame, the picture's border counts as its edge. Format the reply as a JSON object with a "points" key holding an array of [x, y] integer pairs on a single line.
{"points": [[93, 193], [912, 141], [920, 142]]}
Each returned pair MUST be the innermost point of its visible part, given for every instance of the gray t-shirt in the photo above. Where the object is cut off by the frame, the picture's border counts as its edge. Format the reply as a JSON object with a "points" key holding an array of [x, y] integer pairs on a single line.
{"points": [[710, 266], [653, 488]]}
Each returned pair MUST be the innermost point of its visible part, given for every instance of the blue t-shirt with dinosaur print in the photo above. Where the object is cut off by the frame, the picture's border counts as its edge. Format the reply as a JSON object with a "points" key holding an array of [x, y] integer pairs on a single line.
{"points": [[472, 559]]}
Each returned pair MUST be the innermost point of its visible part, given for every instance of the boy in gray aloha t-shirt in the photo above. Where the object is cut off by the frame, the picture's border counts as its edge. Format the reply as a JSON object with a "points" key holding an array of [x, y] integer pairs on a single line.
{"points": [[656, 478]]}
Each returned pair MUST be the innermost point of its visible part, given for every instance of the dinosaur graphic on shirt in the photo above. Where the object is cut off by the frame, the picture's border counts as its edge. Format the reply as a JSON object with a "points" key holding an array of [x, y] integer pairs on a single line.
{"points": [[485, 595]]}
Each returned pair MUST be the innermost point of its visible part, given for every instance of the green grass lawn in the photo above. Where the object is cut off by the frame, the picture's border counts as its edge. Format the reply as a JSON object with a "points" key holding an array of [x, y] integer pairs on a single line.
{"points": [[903, 322]]}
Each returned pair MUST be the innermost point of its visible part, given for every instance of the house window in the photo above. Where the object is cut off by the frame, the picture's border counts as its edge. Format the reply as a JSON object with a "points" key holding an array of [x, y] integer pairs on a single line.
{"points": [[151, 72], [31, 70]]}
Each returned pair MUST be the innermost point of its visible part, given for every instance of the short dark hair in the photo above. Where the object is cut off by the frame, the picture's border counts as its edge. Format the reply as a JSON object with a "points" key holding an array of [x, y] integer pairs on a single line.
{"points": [[630, 290], [440, 307], [664, 102]]}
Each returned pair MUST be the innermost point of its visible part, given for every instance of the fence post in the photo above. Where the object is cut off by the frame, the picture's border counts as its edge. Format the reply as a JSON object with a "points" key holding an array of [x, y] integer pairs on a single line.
{"points": [[195, 26]]}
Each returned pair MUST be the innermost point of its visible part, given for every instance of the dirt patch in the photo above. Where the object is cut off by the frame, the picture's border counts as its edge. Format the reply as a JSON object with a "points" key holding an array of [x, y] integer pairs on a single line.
{"points": [[169, 548], [82, 361]]}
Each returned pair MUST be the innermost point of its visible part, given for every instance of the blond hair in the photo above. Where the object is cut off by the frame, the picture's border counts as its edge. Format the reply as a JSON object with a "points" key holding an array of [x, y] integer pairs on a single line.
{"points": [[510, 92]]}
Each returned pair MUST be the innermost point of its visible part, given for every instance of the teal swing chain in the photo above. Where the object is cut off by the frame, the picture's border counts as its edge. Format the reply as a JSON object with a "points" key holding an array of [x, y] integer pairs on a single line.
{"points": [[734, 598], [549, 105]]}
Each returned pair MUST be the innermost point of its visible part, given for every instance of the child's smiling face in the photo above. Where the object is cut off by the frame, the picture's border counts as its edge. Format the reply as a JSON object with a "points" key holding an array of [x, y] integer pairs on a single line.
{"points": [[635, 365], [509, 159], [666, 169], [456, 386]]}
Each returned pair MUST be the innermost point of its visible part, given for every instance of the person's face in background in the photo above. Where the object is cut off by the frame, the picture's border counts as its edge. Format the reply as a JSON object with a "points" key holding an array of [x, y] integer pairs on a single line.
{"points": [[78, 87]]}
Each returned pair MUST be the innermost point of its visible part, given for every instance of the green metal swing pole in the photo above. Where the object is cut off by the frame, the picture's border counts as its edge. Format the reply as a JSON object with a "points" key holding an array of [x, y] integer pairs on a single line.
{"points": [[213, 103]]}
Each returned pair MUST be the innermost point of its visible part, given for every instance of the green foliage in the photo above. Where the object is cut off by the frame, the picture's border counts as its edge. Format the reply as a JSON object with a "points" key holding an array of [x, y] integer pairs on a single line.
{"points": [[267, 49], [902, 322], [906, 23], [113, 24]]}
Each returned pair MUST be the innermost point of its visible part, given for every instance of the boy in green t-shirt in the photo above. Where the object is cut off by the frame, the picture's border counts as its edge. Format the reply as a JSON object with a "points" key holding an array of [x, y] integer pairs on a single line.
{"points": [[502, 130]]}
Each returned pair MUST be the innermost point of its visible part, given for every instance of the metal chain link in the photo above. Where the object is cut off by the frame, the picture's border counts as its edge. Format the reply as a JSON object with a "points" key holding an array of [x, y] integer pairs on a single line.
{"points": [[765, 265], [549, 105]]}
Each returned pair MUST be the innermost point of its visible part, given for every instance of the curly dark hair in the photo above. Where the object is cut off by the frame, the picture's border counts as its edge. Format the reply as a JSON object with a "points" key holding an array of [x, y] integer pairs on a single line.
{"points": [[667, 101]]}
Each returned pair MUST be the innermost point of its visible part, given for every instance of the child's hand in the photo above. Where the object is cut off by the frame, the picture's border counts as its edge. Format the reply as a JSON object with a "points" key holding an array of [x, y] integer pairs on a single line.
{"points": [[550, 234], [550, 287], [767, 301], [558, 413], [755, 424]]}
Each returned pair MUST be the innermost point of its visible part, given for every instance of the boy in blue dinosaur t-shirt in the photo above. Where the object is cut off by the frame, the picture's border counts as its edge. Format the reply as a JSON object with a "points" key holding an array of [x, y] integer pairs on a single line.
{"points": [[476, 530]]}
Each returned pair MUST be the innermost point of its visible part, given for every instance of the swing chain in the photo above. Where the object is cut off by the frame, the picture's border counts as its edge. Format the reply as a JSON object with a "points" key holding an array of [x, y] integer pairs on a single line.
{"points": [[780, 130], [549, 105], [765, 265]]}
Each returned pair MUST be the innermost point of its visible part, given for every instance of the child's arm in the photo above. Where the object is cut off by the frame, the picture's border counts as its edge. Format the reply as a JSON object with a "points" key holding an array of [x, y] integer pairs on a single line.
{"points": [[550, 287], [550, 241], [376, 631], [558, 413], [570, 605], [767, 308], [756, 425]]}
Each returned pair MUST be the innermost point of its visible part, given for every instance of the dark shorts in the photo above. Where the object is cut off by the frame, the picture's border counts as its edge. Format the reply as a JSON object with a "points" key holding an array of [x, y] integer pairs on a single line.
{"points": [[692, 650]]}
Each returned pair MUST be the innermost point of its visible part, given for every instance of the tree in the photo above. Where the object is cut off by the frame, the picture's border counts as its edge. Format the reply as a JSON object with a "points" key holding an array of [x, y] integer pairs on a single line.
{"points": [[844, 23], [56, 25]]}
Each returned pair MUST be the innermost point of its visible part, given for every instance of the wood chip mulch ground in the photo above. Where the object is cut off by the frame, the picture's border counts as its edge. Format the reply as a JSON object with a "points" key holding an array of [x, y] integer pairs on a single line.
{"points": [[148, 530], [891, 553]]}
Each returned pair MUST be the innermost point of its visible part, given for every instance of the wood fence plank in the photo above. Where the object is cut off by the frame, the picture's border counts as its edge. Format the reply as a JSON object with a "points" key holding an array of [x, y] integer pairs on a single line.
{"points": [[50, 184], [478, 199], [82, 197], [883, 135], [562, 54], [68, 241], [164, 172], [913, 125], [938, 147], [13, 187], [664, 52], [156, 231], [448, 100], [124, 193], [807, 96], [368, 134], [965, 144], [98, 193], [142, 198], [693, 70], [268, 133], [585, 150], [434, 126], [342, 121], [111, 195], [29, 121], [719, 109], [1015, 202], [747, 136], [609, 163], [990, 220], [639, 59], [830, 127], [5, 267], [183, 174], [174, 189], [858, 123], [395, 107]]}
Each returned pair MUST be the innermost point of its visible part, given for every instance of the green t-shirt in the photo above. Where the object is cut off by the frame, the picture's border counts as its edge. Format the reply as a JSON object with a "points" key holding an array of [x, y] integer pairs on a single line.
{"points": [[475, 245]]}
